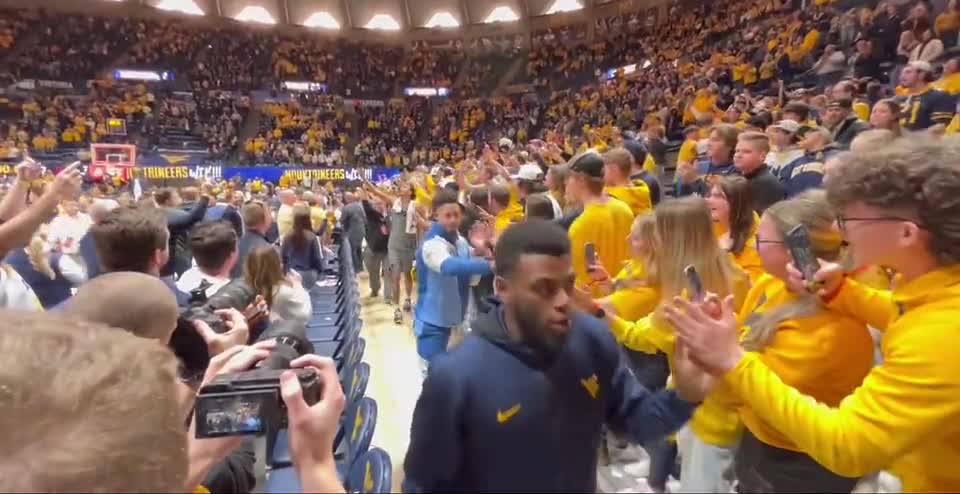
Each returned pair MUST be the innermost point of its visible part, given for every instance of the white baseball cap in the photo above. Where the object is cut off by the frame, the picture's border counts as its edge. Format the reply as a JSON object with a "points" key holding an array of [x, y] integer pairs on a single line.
{"points": [[530, 172], [788, 126]]}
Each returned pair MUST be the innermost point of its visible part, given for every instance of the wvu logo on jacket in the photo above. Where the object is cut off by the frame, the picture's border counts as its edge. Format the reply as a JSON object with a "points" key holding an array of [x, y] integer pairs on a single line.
{"points": [[591, 385]]}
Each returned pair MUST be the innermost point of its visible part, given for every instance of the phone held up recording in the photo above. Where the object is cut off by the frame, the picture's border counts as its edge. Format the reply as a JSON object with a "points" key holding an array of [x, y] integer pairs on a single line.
{"points": [[590, 256], [697, 292], [798, 241]]}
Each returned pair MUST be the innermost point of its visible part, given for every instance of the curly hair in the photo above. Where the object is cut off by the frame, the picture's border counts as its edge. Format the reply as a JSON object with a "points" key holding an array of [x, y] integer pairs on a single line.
{"points": [[917, 177]]}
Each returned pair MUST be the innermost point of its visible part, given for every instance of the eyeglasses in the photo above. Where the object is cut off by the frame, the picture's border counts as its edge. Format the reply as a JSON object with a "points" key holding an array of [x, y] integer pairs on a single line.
{"points": [[842, 221], [762, 241]]}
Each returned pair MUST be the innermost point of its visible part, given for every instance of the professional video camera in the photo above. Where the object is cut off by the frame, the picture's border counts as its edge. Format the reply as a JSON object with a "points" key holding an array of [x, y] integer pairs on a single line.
{"points": [[249, 402], [186, 342]]}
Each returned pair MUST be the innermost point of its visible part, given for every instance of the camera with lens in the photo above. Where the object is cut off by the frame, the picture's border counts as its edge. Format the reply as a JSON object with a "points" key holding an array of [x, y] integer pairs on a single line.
{"points": [[249, 402], [234, 295], [186, 343]]}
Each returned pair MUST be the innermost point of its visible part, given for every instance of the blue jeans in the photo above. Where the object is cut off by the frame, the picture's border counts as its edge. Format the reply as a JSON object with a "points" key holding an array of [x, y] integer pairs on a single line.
{"points": [[431, 340]]}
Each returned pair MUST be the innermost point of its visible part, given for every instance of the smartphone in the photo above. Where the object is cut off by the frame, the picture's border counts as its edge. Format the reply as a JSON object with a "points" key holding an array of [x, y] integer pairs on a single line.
{"points": [[697, 293], [590, 255], [798, 241]]}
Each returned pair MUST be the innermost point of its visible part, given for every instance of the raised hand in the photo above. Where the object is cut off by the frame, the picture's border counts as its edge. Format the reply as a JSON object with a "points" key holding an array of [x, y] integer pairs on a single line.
{"points": [[28, 170], [67, 183], [711, 339]]}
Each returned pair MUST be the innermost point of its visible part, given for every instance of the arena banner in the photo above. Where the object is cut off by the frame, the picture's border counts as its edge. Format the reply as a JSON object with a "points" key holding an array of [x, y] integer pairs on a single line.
{"points": [[273, 174]]}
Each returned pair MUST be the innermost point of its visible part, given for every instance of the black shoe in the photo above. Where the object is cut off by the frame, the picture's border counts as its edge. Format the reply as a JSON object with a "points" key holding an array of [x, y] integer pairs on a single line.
{"points": [[397, 317], [406, 305], [374, 293]]}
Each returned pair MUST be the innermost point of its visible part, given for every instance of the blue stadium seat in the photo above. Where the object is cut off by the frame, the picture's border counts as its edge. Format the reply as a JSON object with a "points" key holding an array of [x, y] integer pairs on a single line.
{"points": [[372, 473], [355, 382], [354, 436]]}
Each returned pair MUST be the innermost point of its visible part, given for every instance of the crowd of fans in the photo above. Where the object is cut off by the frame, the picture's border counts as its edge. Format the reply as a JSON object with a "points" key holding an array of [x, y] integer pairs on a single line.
{"points": [[795, 281], [291, 133]]}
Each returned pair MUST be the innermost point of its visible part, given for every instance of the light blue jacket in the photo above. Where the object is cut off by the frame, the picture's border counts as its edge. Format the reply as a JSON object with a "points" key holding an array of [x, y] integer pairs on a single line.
{"points": [[444, 268]]}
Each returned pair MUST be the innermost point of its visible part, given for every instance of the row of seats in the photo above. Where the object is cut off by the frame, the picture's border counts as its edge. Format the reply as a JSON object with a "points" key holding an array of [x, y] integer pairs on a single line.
{"points": [[334, 331]]}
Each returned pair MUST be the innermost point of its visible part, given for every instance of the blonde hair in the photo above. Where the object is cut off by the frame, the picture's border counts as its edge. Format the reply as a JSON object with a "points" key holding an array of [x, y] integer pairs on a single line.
{"points": [[758, 140], [38, 255], [872, 139], [684, 237], [87, 408], [645, 228], [811, 210]]}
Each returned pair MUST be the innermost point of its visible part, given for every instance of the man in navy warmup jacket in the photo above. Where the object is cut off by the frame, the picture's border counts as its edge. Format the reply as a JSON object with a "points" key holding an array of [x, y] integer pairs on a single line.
{"points": [[521, 403]]}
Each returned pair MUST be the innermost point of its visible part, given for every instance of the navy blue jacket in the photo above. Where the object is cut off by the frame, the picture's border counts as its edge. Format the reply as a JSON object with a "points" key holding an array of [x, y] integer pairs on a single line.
{"points": [[49, 292], [88, 252], [805, 172], [227, 213], [496, 415]]}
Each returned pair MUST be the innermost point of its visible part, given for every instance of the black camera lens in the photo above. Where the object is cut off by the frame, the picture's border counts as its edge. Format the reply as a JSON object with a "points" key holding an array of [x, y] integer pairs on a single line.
{"points": [[292, 342]]}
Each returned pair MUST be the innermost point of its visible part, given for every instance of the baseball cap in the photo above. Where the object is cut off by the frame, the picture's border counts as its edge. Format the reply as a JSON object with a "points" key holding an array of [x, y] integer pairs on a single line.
{"points": [[788, 126], [505, 143], [637, 149], [589, 163], [529, 172]]}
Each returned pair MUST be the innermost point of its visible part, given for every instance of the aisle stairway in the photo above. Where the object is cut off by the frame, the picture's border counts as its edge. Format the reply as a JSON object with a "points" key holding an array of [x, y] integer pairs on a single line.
{"points": [[179, 140]]}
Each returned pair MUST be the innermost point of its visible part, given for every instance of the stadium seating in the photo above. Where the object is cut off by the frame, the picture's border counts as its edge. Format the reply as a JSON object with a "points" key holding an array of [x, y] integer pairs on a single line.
{"points": [[334, 330]]}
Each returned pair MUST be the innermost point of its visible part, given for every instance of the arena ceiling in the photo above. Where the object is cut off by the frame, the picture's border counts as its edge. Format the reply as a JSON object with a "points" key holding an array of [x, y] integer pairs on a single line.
{"points": [[385, 15]]}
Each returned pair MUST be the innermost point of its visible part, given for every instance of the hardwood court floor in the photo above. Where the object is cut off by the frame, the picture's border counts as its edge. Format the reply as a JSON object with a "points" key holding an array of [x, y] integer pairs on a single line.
{"points": [[395, 377]]}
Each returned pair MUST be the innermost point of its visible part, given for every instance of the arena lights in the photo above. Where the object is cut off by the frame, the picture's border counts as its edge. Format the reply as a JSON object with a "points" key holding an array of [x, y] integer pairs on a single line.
{"points": [[442, 19], [383, 22], [183, 6], [323, 20], [502, 14], [563, 6], [255, 13], [427, 92], [142, 75]]}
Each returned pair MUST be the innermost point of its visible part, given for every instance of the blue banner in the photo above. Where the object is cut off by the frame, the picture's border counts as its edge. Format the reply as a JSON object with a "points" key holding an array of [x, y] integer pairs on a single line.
{"points": [[271, 174]]}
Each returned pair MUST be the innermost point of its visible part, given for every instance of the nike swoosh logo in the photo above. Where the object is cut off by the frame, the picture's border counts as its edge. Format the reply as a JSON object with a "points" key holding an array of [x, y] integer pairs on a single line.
{"points": [[505, 416]]}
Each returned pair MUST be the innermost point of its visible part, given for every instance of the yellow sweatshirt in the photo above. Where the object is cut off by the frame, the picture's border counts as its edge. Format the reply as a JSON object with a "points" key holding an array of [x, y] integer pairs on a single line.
{"points": [[906, 415], [606, 225], [826, 355], [636, 197], [633, 299], [510, 215], [715, 421]]}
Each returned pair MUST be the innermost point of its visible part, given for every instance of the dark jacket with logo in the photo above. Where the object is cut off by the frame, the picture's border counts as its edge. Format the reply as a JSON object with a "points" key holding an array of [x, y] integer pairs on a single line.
{"points": [[496, 415]]}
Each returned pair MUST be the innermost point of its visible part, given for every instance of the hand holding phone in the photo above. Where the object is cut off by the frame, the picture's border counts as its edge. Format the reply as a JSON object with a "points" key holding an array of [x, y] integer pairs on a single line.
{"points": [[697, 292], [798, 241], [590, 256]]}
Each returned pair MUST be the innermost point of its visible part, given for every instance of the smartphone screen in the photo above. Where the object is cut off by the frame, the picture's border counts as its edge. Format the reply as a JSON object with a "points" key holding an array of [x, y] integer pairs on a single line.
{"points": [[798, 241], [697, 293], [590, 255]]}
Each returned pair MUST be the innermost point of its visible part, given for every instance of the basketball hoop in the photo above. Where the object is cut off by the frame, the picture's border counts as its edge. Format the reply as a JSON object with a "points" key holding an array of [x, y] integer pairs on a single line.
{"points": [[112, 160]]}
